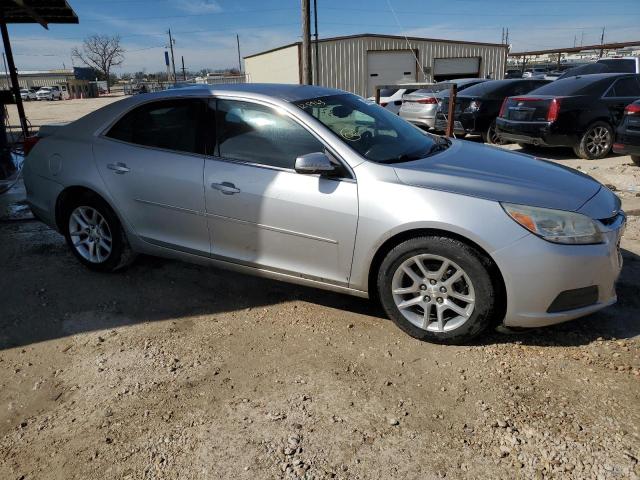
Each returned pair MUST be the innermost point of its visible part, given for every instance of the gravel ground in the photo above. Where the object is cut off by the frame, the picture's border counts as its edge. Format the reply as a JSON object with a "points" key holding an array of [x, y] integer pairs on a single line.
{"points": [[170, 370]]}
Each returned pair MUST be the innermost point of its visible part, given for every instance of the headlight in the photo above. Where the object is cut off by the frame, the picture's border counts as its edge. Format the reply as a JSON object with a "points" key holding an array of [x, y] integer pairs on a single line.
{"points": [[556, 226]]}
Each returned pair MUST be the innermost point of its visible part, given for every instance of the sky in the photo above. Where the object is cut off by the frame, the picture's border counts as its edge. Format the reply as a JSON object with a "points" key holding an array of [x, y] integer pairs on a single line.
{"points": [[205, 30]]}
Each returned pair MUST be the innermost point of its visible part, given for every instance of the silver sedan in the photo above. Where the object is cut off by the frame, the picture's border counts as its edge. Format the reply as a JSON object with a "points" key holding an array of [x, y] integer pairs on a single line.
{"points": [[319, 187]]}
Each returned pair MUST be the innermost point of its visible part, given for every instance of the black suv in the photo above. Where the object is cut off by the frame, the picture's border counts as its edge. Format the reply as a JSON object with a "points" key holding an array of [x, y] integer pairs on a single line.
{"points": [[477, 107], [579, 112]]}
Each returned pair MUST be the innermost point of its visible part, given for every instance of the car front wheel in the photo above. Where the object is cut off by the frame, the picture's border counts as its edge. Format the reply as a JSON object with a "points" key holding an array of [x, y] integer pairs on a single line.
{"points": [[437, 289], [95, 236]]}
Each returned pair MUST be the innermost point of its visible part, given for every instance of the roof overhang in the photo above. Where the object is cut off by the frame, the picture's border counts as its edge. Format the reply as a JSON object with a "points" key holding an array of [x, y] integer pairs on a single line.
{"points": [[604, 46], [43, 12]]}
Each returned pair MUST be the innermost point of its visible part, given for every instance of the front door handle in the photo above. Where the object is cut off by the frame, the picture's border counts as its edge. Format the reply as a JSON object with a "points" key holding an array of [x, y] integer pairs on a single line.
{"points": [[226, 188], [119, 167]]}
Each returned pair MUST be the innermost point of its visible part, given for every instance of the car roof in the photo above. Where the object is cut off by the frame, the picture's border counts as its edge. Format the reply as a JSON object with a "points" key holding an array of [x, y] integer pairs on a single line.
{"points": [[602, 76], [286, 92]]}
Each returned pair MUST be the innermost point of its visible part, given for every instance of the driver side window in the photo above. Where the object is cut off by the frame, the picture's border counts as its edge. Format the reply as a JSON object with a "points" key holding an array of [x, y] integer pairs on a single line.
{"points": [[254, 133]]}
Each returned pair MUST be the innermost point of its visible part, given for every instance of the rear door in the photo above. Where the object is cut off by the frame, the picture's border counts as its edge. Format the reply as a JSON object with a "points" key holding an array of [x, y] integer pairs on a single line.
{"points": [[152, 161], [624, 91]]}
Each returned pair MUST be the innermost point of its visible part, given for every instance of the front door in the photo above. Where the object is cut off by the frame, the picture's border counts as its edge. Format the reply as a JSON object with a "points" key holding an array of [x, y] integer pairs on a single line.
{"points": [[264, 214], [152, 161]]}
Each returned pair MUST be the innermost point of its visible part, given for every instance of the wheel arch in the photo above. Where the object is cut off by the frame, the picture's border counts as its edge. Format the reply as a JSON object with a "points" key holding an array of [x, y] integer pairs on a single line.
{"points": [[73, 192], [398, 238]]}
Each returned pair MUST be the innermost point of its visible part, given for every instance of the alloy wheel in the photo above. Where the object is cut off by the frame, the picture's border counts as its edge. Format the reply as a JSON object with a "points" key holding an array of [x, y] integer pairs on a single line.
{"points": [[493, 136], [433, 293], [90, 234], [598, 141]]}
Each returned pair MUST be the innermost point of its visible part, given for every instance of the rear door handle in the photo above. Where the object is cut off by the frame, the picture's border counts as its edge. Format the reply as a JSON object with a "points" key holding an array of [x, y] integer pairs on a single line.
{"points": [[227, 188], [119, 167]]}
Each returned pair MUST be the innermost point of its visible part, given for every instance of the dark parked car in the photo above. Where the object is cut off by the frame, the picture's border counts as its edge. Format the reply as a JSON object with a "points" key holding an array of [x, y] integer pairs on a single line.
{"points": [[513, 73], [478, 106], [628, 134], [579, 112], [605, 65]]}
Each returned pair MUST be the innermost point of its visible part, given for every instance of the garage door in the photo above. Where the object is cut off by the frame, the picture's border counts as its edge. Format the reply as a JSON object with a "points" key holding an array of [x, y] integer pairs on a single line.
{"points": [[449, 68], [389, 68]]}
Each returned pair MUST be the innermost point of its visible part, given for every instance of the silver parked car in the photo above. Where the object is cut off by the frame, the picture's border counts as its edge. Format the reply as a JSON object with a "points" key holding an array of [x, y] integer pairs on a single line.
{"points": [[419, 107], [319, 187]]}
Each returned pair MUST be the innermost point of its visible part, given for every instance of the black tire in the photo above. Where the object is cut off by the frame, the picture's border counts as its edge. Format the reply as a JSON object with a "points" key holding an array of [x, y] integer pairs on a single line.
{"points": [[120, 255], [475, 265], [636, 159], [491, 136], [587, 152]]}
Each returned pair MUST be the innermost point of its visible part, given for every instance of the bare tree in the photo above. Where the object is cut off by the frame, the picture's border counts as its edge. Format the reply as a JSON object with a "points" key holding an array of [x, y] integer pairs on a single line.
{"points": [[101, 53]]}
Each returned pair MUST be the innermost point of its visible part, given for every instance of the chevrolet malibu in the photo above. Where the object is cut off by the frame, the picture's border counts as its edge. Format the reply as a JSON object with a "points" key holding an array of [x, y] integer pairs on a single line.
{"points": [[319, 187]]}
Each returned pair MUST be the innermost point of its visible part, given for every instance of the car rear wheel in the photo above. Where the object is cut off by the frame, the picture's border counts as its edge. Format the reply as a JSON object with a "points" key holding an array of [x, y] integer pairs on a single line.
{"points": [[491, 136], [95, 236], [636, 159], [596, 142], [437, 289]]}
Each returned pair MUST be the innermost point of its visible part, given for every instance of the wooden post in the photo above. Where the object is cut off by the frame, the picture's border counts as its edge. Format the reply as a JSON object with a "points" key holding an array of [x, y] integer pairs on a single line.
{"points": [[453, 92], [306, 44]]}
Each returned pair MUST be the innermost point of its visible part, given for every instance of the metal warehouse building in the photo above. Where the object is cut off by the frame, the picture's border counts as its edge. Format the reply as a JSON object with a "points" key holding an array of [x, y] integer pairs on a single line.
{"points": [[358, 63]]}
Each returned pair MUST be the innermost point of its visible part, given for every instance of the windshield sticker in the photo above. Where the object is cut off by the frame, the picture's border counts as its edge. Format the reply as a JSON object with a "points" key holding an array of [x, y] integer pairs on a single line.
{"points": [[350, 134], [311, 103]]}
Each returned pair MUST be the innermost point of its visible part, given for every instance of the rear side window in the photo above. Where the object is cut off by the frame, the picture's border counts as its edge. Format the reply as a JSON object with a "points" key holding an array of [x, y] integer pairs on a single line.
{"points": [[258, 134], [575, 86], [168, 124], [625, 87]]}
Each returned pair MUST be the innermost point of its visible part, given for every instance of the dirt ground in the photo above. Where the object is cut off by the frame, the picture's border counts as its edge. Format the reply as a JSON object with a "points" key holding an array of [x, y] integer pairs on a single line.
{"points": [[174, 371]]}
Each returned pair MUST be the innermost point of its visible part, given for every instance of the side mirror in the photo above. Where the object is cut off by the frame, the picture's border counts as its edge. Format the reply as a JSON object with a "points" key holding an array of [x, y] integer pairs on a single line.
{"points": [[316, 162]]}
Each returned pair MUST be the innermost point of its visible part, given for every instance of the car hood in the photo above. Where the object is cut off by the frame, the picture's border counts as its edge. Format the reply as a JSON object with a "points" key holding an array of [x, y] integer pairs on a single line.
{"points": [[500, 175]]}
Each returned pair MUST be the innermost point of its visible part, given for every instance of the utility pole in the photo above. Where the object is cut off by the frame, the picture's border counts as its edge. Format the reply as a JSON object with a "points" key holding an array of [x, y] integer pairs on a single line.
{"points": [[306, 43], [602, 43], [506, 37], [502, 37], [315, 21], [239, 61], [173, 63], [574, 41], [184, 72]]}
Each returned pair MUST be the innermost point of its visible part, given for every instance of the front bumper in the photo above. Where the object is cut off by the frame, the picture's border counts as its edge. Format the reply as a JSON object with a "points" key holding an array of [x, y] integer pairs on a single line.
{"points": [[536, 272]]}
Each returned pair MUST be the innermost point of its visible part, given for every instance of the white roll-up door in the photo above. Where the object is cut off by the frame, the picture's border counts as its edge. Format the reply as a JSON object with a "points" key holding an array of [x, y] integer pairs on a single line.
{"points": [[390, 68], [456, 67]]}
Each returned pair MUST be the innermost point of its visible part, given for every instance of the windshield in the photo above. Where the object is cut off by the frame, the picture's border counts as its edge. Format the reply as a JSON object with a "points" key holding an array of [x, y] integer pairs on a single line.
{"points": [[388, 92], [374, 132]]}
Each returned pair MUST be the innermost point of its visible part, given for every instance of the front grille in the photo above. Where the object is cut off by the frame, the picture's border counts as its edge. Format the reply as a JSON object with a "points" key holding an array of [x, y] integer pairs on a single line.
{"points": [[572, 299]]}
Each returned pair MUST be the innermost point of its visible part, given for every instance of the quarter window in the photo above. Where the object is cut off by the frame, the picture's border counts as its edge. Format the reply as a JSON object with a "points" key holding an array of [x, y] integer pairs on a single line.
{"points": [[257, 134], [168, 124], [625, 87]]}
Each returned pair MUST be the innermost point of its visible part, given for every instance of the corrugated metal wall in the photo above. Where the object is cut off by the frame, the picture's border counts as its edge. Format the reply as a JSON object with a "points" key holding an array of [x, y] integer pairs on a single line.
{"points": [[343, 63]]}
